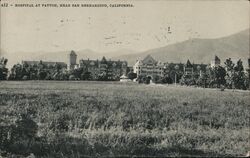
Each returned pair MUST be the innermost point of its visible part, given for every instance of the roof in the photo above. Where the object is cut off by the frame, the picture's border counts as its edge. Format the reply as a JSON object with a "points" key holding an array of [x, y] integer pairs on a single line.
{"points": [[89, 62], [110, 63], [188, 64], [44, 62], [73, 53], [171, 66], [159, 63], [149, 60], [104, 60], [138, 63]]}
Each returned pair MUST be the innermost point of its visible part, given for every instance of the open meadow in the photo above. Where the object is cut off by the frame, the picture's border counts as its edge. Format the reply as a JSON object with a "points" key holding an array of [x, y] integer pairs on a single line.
{"points": [[74, 119]]}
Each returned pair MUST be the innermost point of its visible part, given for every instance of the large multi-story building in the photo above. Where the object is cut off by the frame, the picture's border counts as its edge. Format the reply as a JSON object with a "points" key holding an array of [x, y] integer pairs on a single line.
{"points": [[111, 70], [148, 67], [99, 69], [45, 63], [193, 70]]}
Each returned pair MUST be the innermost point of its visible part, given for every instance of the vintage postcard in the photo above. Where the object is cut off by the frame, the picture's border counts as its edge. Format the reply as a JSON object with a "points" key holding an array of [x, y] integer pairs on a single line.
{"points": [[124, 78]]}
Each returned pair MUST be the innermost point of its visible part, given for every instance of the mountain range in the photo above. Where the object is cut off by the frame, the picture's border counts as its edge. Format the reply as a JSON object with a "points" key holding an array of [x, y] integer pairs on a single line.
{"points": [[197, 50]]}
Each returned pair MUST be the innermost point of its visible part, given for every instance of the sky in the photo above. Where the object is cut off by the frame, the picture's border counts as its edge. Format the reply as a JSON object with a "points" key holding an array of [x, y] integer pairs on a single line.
{"points": [[149, 24]]}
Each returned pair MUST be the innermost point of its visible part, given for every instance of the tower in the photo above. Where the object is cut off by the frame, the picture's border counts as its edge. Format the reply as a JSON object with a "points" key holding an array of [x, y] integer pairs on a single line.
{"points": [[72, 60], [188, 68], [215, 62]]}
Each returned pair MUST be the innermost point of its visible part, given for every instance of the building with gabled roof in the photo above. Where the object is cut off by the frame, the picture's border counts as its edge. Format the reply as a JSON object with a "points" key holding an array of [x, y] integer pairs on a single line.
{"points": [[188, 68], [148, 67], [109, 68], [46, 63]]}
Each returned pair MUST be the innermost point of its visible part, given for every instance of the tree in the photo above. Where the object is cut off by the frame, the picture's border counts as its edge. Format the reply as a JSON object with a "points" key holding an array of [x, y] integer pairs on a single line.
{"points": [[157, 79], [86, 76], [187, 80], [72, 77], [41, 74], [230, 73], [202, 80], [239, 78], [140, 79], [3, 69], [220, 74], [132, 75], [103, 76], [16, 72], [147, 81], [167, 79]]}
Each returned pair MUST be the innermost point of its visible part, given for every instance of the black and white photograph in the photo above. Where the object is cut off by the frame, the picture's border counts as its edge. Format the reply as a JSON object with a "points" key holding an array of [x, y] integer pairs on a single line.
{"points": [[124, 78]]}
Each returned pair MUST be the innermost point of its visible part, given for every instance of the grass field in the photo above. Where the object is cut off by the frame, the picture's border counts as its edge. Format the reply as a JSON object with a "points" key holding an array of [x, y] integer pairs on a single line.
{"points": [[123, 119]]}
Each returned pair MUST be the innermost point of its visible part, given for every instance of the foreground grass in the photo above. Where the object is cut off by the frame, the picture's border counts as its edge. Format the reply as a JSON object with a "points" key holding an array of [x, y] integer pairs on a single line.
{"points": [[116, 119]]}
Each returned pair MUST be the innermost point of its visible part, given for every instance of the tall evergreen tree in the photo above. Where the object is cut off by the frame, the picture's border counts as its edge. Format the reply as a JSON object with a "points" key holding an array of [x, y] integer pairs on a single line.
{"points": [[3, 69], [240, 75], [230, 73]]}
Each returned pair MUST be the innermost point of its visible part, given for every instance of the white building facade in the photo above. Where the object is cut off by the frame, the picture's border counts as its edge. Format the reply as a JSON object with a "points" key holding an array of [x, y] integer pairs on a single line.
{"points": [[149, 67]]}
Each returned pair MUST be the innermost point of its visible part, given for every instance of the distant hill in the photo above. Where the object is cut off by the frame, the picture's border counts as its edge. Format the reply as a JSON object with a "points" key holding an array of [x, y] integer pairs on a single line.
{"points": [[62, 56], [196, 50], [199, 50], [81, 54]]}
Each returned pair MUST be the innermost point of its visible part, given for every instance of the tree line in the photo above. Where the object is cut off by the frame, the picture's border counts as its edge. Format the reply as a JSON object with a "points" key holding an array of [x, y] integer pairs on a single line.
{"points": [[230, 75], [3, 69], [42, 71]]}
